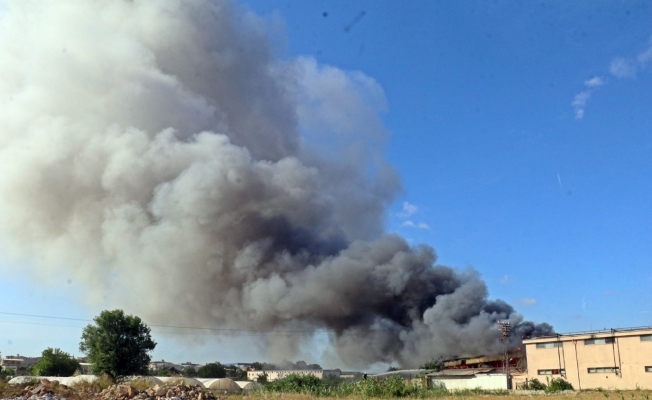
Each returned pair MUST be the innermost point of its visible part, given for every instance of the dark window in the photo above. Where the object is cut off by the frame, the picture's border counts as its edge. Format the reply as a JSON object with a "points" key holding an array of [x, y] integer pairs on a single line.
{"points": [[646, 338], [604, 370], [551, 372], [549, 345], [599, 341]]}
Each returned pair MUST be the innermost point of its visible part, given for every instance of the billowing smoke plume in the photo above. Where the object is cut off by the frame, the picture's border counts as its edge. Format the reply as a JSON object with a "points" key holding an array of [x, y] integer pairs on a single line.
{"points": [[163, 154]]}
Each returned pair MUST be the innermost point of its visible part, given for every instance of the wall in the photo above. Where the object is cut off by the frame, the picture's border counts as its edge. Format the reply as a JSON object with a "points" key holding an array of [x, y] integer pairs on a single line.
{"points": [[482, 381]]}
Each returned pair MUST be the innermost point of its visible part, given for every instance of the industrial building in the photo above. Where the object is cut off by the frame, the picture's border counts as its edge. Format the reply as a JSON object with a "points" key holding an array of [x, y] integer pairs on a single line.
{"points": [[515, 360], [613, 359]]}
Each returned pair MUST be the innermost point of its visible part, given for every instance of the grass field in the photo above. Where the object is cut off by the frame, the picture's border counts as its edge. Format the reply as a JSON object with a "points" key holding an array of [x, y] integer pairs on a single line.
{"points": [[576, 395]]}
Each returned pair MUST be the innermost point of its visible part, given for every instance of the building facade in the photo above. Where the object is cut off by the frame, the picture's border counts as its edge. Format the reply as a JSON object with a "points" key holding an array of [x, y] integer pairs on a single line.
{"points": [[615, 359]]}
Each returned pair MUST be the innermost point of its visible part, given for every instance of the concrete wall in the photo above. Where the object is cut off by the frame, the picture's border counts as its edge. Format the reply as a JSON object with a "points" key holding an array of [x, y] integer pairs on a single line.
{"points": [[573, 359], [482, 381]]}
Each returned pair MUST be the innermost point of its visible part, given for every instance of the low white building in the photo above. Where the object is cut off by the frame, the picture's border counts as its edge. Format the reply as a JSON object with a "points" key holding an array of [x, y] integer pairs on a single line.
{"points": [[280, 374], [471, 378]]}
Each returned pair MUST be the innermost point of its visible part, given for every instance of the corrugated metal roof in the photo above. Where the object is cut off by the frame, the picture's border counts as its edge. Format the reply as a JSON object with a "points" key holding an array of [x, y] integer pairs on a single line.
{"points": [[462, 372]]}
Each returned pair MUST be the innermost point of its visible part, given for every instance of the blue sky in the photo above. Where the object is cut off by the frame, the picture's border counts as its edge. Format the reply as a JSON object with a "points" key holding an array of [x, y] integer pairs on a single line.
{"points": [[503, 174], [522, 134]]}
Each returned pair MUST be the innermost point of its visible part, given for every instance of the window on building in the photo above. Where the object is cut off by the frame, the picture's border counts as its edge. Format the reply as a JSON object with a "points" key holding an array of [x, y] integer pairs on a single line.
{"points": [[648, 369], [646, 338], [599, 341], [604, 370], [549, 345], [551, 372]]}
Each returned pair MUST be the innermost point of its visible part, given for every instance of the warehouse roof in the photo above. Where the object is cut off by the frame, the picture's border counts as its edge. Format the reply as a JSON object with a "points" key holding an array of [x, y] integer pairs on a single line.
{"points": [[461, 372]]}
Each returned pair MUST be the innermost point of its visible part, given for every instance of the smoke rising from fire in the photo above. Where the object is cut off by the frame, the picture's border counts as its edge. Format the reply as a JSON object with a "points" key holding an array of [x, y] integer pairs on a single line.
{"points": [[164, 155]]}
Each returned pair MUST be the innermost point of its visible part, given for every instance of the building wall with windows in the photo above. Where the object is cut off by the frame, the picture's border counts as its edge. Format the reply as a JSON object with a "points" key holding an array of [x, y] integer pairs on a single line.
{"points": [[617, 359]]}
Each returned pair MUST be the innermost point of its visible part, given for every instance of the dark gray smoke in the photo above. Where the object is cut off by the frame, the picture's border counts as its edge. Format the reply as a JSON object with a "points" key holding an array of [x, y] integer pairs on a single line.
{"points": [[161, 153]]}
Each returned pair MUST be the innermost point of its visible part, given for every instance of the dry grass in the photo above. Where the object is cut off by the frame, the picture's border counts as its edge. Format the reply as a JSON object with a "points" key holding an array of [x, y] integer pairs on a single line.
{"points": [[576, 395]]}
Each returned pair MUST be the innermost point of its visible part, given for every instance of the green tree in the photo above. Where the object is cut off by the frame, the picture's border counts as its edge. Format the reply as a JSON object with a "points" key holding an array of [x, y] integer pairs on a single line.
{"points": [[212, 370], [190, 372], [117, 344], [257, 366], [263, 378], [55, 362]]}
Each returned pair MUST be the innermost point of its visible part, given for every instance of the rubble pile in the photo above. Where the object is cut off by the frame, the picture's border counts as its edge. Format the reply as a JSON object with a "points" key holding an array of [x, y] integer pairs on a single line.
{"points": [[158, 392], [53, 390], [45, 390]]}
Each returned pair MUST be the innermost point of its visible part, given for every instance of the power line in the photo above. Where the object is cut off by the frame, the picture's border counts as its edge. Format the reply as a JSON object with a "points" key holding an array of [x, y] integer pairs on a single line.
{"points": [[36, 323], [216, 331]]}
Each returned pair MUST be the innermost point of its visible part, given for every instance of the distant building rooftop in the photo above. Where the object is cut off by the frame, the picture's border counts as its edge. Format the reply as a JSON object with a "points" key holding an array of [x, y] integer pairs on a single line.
{"points": [[462, 372]]}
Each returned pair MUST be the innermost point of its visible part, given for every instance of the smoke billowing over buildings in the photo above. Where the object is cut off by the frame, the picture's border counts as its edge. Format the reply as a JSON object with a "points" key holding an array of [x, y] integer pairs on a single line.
{"points": [[166, 147]]}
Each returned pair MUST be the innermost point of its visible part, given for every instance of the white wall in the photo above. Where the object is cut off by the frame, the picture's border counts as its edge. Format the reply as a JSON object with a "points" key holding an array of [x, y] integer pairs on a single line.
{"points": [[482, 381]]}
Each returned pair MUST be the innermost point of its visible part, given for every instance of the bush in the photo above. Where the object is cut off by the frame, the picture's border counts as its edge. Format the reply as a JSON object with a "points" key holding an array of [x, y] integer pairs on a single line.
{"points": [[6, 373], [558, 384], [534, 384], [295, 383], [55, 362], [554, 385]]}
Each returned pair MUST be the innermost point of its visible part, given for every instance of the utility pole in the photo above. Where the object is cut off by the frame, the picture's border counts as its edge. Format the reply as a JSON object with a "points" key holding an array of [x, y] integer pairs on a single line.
{"points": [[506, 328]]}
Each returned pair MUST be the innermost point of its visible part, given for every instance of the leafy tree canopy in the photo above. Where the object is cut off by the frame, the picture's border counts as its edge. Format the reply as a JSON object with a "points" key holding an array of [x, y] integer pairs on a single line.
{"points": [[55, 362], [212, 370], [117, 344]]}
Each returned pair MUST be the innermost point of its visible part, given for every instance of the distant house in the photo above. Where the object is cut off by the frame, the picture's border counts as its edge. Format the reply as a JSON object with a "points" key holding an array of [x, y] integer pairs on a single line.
{"points": [[18, 362], [164, 365], [243, 366]]}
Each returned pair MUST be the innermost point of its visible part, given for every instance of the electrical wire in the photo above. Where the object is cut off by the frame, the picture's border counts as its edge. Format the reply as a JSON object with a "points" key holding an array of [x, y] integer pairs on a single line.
{"points": [[211, 331]]}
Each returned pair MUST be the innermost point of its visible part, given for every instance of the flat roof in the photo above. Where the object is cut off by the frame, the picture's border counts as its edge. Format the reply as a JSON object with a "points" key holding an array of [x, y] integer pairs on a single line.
{"points": [[617, 332], [461, 372]]}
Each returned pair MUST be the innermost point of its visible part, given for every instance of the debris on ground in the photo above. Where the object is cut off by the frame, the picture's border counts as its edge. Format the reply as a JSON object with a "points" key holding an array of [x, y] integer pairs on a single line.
{"points": [[52, 390]]}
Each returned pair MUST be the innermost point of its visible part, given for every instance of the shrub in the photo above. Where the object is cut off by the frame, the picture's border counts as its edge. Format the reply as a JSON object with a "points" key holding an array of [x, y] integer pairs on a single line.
{"points": [[295, 383], [55, 362], [558, 384], [534, 384]]}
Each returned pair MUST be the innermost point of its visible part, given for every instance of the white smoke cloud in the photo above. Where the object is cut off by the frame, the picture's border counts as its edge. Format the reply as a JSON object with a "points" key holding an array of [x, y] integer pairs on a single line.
{"points": [[580, 100], [528, 301], [164, 156]]}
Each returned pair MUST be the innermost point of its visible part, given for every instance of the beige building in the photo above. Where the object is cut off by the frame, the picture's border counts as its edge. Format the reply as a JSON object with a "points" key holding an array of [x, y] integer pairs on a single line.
{"points": [[19, 363], [275, 375], [616, 359]]}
